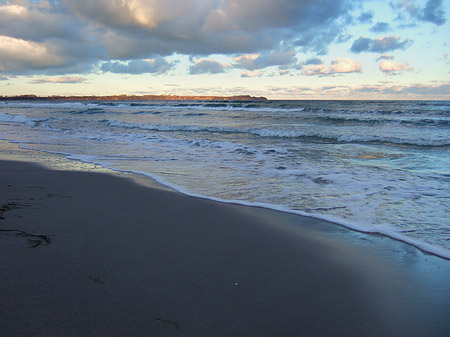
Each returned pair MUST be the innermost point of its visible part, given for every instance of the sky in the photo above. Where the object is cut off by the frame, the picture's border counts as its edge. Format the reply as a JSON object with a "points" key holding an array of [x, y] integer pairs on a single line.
{"points": [[280, 49]]}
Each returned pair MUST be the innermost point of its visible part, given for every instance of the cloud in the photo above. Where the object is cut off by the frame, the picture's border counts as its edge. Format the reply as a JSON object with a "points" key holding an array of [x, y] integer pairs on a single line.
{"points": [[18, 54], [208, 26], [118, 14], [338, 66], [402, 91], [432, 12], [254, 15], [368, 91], [246, 61], [38, 22], [380, 27], [205, 66], [260, 61], [83, 33], [446, 59], [317, 41], [249, 74], [154, 66], [390, 67], [365, 17], [313, 61], [379, 45], [424, 89], [62, 79], [385, 57], [58, 39], [345, 65]]}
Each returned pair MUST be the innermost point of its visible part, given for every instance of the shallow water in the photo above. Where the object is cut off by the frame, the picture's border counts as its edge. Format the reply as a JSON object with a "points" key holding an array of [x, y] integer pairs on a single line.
{"points": [[381, 166]]}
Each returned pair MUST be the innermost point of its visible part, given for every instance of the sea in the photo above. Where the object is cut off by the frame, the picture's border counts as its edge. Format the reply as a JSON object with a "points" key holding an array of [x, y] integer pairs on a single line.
{"points": [[372, 166]]}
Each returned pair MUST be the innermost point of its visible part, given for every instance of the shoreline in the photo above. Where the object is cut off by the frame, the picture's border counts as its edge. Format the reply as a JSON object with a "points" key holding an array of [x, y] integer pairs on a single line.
{"points": [[157, 182], [128, 259]]}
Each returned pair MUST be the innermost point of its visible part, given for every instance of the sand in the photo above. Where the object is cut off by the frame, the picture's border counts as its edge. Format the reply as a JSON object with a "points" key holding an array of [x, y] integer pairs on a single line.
{"points": [[93, 254]]}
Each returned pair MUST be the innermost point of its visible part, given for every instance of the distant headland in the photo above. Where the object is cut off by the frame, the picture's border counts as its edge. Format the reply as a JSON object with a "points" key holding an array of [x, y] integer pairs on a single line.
{"points": [[132, 98]]}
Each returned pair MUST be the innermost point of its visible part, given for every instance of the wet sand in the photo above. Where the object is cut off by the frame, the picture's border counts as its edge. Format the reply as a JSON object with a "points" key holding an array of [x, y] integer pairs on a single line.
{"points": [[92, 254]]}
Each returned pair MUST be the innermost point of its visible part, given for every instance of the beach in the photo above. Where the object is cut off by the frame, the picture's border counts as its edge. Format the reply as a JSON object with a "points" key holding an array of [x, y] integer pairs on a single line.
{"points": [[224, 168], [94, 254]]}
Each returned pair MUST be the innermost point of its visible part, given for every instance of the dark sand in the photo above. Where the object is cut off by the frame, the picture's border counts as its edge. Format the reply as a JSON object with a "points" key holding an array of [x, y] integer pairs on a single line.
{"points": [[89, 254]]}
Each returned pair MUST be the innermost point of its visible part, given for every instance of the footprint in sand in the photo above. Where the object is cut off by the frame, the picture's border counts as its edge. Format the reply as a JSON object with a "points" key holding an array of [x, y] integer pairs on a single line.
{"points": [[96, 278]]}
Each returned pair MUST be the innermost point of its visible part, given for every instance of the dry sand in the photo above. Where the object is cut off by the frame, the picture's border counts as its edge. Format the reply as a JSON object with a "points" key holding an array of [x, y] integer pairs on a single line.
{"points": [[89, 254]]}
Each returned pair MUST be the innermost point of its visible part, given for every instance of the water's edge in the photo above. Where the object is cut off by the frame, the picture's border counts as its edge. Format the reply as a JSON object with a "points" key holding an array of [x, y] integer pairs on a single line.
{"points": [[96, 166]]}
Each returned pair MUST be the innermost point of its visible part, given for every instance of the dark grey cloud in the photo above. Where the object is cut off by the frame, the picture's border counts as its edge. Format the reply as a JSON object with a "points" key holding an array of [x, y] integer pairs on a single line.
{"points": [[38, 38], [385, 57], [380, 27], [365, 17], [317, 41], [314, 61], [379, 45], [407, 25], [89, 32], [433, 11], [58, 37], [154, 66], [204, 66], [39, 24]]}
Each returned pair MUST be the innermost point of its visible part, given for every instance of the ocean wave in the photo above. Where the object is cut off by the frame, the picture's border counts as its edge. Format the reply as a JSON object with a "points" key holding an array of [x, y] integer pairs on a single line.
{"points": [[4, 117], [274, 133], [373, 119], [89, 111], [22, 119]]}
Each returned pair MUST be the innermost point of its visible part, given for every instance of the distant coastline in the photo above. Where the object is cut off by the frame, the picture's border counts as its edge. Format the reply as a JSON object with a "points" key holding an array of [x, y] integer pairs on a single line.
{"points": [[132, 98]]}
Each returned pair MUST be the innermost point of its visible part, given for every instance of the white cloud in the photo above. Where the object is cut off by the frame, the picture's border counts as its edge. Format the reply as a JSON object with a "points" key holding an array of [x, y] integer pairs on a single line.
{"points": [[345, 65], [61, 79], [12, 10], [249, 74], [391, 67], [246, 61], [315, 70], [337, 66], [264, 60], [18, 53]]}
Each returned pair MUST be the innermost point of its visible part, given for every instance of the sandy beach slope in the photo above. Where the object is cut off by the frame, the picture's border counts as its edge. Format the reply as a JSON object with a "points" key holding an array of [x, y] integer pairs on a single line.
{"points": [[89, 254]]}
